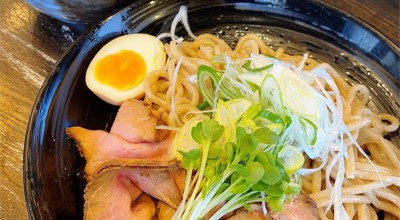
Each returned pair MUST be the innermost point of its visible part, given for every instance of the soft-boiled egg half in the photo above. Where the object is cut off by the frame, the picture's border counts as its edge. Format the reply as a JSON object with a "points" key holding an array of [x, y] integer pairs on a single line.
{"points": [[117, 71]]}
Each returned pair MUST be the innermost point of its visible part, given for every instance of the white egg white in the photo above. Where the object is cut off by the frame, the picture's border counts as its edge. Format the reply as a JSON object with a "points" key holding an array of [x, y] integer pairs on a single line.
{"points": [[147, 46]]}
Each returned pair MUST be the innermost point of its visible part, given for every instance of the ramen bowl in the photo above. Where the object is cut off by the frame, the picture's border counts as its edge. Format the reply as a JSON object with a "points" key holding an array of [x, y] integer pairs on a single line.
{"points": [[53, 169], [82, 11]]}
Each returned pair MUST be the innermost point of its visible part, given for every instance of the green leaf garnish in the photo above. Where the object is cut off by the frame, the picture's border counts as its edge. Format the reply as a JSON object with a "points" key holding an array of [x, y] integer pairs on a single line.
{"points": [[215, 151], [275, 203], [256, 172], [260, 186], [211, 130], [230, 149], [243, 149], [197, 134], [191, 159], [271, 175], [240, 169], [293, 189], [240, 187], [209, 171], [266, 136], [246, 142], [275, 191]]}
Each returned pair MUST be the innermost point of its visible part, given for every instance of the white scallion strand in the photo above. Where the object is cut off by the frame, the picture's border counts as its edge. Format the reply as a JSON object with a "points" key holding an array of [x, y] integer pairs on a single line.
{"points": [[181, 17], [165, 127]]}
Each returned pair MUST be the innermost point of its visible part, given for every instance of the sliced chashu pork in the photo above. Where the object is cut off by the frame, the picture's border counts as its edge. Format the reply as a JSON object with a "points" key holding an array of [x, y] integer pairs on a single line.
{"points": [[101, 149], [113, 193], [122, 164], [134, 123], [301, 207], [133, 136]]}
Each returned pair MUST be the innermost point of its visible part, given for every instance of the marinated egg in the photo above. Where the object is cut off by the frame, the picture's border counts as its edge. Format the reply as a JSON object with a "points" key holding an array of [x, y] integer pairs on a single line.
{"points": [[117, 71]]}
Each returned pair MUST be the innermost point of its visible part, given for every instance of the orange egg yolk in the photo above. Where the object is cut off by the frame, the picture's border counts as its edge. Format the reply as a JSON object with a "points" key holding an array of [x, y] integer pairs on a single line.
{"points": [[123, 70]]}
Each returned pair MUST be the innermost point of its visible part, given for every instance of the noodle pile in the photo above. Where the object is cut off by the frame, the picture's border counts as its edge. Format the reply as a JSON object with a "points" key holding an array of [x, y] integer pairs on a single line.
{"points": [[173, 95]]}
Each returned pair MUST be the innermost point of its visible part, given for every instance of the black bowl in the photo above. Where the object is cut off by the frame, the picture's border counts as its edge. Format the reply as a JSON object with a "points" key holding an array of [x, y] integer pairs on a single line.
{"points": [[53, 168], [77, 11]]}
